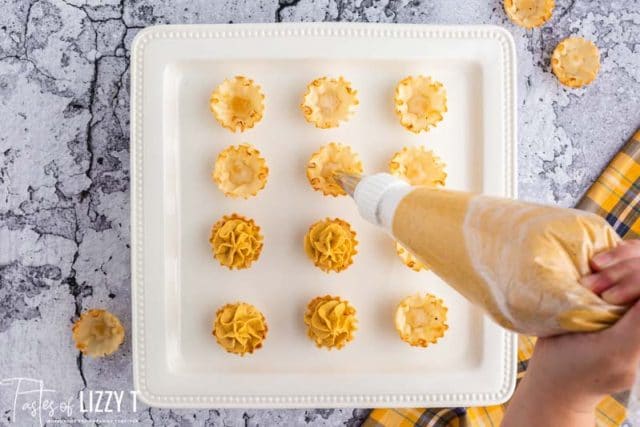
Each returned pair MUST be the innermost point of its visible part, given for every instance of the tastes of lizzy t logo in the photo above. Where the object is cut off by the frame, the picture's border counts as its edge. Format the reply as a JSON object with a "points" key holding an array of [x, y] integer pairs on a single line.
{"points": [[32, 401]]}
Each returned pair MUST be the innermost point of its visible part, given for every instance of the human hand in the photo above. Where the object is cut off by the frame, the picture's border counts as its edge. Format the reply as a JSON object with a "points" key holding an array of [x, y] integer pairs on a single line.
{"points": [[604, 362], [569, 374], [617, 274]]}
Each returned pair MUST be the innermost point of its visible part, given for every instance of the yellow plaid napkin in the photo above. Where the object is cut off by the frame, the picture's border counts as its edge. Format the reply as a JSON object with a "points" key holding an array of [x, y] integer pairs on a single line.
{"points": [[616, 193], [615, 196]]}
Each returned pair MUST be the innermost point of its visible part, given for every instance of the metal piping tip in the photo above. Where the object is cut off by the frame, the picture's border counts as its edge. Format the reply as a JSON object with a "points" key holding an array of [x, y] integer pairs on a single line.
{"points": [[347, 181]]}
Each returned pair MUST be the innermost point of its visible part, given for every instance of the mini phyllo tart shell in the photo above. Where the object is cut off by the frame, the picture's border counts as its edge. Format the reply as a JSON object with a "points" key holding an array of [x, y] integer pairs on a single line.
{"points": [[236, 241], [575, 62], [409, 259], [328, 160], [418, 166], [237, 103], [421, 320], [98, 333], [240, 328], [240, 171], [327, 102], [331, 244], [529, 13], [331, 322], [420, 103]]}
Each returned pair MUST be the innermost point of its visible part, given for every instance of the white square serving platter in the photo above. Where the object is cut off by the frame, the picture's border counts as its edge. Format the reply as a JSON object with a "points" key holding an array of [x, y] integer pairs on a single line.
{"points": [[177, 285]]}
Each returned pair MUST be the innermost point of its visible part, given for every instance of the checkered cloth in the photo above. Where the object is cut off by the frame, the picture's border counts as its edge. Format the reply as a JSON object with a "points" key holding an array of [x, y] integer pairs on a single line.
{"points": [[616, 193], [615, 196]]}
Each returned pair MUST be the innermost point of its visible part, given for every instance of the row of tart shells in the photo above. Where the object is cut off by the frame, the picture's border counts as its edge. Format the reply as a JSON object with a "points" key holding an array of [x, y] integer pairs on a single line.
{"points": [[331, 244], [331, 322], [241, 171], [241, 328], [419, 102]]}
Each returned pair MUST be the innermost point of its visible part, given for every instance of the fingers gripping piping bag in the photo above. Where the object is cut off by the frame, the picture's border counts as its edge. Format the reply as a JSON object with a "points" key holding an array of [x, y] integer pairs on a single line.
{"points": [[519, 261]]}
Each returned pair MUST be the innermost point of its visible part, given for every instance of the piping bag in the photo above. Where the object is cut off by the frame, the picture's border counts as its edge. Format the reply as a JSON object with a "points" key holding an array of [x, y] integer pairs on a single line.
{"points": [[520, 262]]}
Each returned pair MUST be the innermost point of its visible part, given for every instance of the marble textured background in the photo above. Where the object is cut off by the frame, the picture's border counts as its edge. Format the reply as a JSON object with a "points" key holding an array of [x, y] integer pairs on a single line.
{"points": [[64, 159]]}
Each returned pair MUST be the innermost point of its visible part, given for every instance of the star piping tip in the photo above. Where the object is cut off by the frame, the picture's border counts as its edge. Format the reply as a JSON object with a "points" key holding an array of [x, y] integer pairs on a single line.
{"points": [[347, 181]]}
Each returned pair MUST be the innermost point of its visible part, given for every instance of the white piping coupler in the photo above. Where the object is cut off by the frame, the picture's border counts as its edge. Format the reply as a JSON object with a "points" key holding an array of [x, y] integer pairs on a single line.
{"points": [[377, 197]]}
